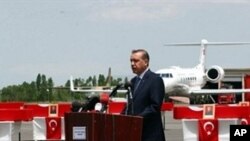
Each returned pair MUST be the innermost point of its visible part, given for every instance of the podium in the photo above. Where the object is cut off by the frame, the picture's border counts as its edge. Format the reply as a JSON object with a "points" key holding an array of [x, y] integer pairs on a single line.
{"points": [[88, 126]]}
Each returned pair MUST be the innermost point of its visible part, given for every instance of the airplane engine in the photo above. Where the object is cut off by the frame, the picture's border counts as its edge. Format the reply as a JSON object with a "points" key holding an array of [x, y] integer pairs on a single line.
{"points": [[215, 74]]}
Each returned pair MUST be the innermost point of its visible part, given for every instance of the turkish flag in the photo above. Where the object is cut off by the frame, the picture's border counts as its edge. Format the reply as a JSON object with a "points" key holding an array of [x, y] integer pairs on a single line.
{"points": [[53, 127], [208, 130], [245, 121]]}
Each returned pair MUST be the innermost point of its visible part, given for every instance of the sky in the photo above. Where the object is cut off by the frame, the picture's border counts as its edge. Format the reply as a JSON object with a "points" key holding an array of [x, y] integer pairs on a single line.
{"points": [[82, 38]]}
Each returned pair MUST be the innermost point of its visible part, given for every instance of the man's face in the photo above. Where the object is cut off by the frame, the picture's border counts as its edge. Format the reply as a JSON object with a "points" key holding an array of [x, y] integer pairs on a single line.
{"points": [[138, 65]]}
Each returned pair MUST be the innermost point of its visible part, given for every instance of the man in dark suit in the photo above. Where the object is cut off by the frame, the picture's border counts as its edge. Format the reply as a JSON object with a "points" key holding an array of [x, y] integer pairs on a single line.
{"points": [[148, 93]]}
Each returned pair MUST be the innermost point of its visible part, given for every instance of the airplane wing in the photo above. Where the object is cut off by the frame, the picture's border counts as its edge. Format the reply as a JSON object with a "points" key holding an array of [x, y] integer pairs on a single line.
{"points": [[219, 91], [97, 91], [180, 99], [186, 100]]}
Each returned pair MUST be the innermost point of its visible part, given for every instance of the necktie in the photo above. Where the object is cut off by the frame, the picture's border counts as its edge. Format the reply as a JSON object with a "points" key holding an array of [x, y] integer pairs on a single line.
{"points": [[137, 82]]}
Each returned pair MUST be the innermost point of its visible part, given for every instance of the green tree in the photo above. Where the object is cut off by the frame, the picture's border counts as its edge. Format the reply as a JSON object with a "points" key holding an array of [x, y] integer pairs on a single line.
{"points": [[89, 81], [38, 82], [42, 89], [94, 81], [101, 80], [50, 86], [43, 95], [125, 79]]}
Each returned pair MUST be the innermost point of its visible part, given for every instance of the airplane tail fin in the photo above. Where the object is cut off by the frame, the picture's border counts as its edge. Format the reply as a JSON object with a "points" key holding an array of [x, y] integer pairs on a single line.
{"points": [[204, 43], [71, 84], [202, 60], [109, 78]]}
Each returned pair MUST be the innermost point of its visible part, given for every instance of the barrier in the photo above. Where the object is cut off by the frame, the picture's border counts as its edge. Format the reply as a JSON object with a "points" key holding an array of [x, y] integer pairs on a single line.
{"points": [[48, 123], [11, 105], [117, 107], [48, 128], [9, 130], [198, 127], [207, 130], [12, 114], [45, 123]]}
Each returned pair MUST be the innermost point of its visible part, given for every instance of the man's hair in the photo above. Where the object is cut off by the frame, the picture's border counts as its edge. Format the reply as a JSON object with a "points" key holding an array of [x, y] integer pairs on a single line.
{"points": [[145, 55]]}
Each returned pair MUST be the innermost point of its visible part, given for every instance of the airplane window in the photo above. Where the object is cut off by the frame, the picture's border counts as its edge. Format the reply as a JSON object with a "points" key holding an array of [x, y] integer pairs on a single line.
{"points": [[165, 75]]}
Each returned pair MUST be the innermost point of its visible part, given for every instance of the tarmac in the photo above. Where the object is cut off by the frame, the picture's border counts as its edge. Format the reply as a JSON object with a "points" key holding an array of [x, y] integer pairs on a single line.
{"points": [[173, 129]]}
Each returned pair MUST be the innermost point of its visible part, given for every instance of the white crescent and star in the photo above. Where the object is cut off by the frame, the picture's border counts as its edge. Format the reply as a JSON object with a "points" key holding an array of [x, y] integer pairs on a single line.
{"points": [[53, 124], [244, 121], [208, 123]]}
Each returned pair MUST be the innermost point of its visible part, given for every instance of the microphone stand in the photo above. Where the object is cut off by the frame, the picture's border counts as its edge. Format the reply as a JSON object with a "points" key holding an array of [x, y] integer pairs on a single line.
{"points": [[130, 102]]}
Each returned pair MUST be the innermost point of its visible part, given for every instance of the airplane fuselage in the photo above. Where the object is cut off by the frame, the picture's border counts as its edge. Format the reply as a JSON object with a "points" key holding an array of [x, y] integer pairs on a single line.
{"points": [[179, 81]]}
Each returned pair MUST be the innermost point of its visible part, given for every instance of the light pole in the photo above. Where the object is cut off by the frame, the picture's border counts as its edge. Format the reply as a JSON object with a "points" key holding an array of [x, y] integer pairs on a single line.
{"points": [[48, 91]]}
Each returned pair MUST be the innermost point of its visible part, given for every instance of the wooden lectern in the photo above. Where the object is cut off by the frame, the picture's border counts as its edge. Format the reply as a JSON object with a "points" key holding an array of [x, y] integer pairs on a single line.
{"points": [[102, 127]]}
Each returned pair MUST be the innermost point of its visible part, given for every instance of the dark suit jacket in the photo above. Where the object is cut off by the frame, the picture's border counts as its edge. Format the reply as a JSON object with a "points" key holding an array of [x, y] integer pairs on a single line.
{"points": [[147, 101]]}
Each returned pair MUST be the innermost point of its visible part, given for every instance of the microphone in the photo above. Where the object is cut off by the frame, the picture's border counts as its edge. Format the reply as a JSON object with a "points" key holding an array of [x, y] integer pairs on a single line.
{"points": [[87, 106], [114, 91], [93, 100], [130, 104], [76, 106], [127, 85], [90, 105]]}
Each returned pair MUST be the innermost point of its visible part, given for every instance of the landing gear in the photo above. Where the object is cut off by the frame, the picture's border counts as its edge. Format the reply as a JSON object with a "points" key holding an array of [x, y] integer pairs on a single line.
{"points": [[201, 99]]}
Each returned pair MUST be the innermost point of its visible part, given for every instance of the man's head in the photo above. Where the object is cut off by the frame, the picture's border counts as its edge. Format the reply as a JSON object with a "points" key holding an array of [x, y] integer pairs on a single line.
{"points": [[139, 61]]}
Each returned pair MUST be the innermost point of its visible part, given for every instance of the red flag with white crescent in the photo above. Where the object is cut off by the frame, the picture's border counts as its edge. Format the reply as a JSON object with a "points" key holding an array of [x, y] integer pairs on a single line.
{"points": [[245, 121], [208, 130], [53, 127]]}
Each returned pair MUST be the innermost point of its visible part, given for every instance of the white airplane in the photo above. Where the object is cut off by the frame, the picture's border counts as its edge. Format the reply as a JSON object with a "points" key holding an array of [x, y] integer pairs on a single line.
{"points": [[95, 89], [185, 81]]}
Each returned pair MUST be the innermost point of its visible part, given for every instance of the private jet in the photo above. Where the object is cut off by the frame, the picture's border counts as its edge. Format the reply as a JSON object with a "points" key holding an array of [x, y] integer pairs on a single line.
{"points": [[183, 82]]}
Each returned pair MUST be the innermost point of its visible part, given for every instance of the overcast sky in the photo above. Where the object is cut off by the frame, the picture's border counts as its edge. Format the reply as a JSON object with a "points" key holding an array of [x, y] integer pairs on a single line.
{"points": [[83, 38]]}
